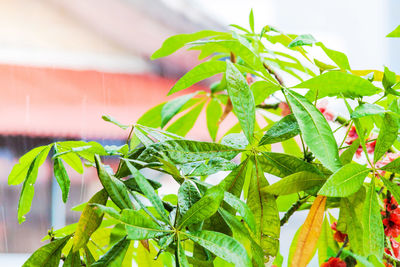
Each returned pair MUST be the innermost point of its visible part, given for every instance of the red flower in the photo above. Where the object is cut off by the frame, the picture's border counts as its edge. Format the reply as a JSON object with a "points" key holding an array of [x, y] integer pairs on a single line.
{"points": [[334, 262], [322, 107], [285, 110], [391, 205], [371, 146], [249, 78], [351, 136], [391, 219], [395, 247], [338, 236]]}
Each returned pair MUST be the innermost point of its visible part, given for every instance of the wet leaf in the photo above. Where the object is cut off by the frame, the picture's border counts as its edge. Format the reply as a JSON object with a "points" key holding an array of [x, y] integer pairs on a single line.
{"points": [[115, 256], [171, 108], [222, 245], [373, 234], [345, 181], [115, 188], [89, 221], [387, 136], [203, 208], [48, 255], [294, 183], [316, 131], [242, 99], [62, 178]]}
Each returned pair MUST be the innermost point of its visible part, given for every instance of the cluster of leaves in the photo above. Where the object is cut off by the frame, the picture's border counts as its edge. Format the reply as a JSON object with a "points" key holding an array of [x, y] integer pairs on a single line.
{"points": [[237, 220]]}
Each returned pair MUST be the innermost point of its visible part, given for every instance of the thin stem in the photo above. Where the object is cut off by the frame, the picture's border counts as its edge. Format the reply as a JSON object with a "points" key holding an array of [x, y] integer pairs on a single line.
{"points": [[379, 99], [293, 209], [130, 134], [346, 240], [276, 75], [391, 259], [268, 106], [347, 133]]}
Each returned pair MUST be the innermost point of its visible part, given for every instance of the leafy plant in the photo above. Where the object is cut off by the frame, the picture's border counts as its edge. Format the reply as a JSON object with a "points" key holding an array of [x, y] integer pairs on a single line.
{"points": [[274, 87]]}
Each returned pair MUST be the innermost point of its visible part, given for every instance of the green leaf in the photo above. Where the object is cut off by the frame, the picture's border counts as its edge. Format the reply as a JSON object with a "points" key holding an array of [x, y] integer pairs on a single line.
{"points": [[48, 255], [133, 186], [28, 190], [20, 170], [373, 235], [243, 49], [284, 129], [181, 256], [393, 166], [73, 259], [152, 117], [213, 113], [86, 150], [354, 229], [138, 226], [389, 79], [367, 110], [148, 191], [202, 209], [387, 136], [184, 151], [115, 256], [62, 177], [73, 161], [171, 108], [241, 234], [262, 89], [345, 181], [115, 188], [294, 183], [185, 123], [326, 243], [303, 39], [281, 165], [115, 122], [395, 32], [263, 206], [237, 204], [188, 195], [222, 246], [89, 221], [206, 167], [157, 134], [347, 155], [336, 83], [339, 58], [242, 99], [251, 20], [200, 72], [393, 188], [233, 182], [323, 66], [316, 131], [178, 41]]}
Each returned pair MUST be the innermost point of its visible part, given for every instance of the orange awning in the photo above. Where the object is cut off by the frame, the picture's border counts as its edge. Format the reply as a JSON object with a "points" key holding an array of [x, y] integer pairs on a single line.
{"points": [[69, 103]]}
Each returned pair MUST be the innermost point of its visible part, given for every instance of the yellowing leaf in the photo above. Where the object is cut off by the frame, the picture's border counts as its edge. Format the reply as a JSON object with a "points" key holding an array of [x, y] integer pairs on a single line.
{"points": [[309, 233], [89, 220]]}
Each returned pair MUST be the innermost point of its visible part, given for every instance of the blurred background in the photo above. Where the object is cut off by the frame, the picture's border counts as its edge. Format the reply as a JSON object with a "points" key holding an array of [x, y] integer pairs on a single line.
{"points": [[64, 63]]}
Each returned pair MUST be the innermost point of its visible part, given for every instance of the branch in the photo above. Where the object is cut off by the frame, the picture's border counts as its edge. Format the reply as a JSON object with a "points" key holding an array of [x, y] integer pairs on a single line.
{"points": [[346, 240], [293, 209], [276, 75]]}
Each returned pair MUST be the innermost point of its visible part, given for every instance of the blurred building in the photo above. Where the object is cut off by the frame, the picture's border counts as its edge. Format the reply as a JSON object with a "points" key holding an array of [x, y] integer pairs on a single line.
{"points": [[63, 64]]}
